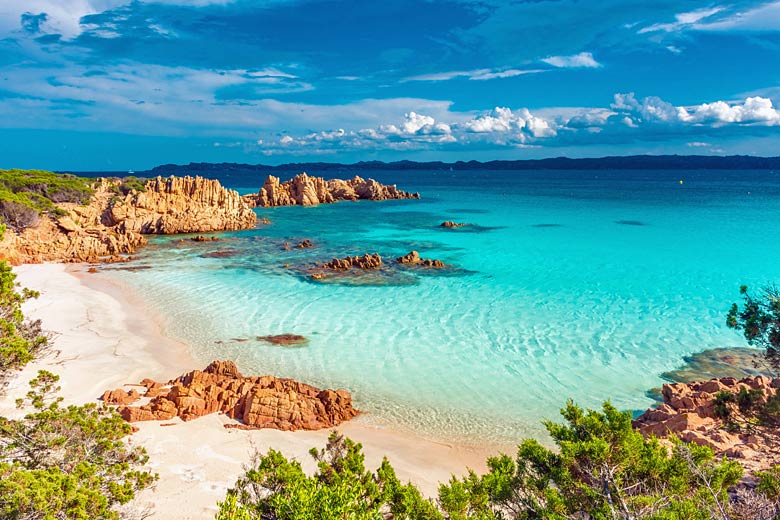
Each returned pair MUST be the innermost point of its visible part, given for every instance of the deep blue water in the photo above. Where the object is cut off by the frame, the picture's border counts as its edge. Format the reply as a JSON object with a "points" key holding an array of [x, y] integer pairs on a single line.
{"points": [[582, 284]]}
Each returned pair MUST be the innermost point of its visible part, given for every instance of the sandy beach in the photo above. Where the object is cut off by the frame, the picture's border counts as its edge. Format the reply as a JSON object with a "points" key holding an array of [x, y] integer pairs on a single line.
{"points": [[105, 338]]}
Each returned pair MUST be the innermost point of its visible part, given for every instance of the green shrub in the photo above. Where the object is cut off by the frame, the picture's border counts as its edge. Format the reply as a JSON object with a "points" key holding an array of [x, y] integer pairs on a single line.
{"points": [[601, 469], [126, 185], [20, 339], [66, 462], [24, 194]]}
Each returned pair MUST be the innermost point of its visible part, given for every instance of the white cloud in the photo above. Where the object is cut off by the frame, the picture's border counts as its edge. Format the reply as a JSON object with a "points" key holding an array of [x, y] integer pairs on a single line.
{"points": [[756, 110], [682, 21], [581, 60], [474, 75], [627, 119], [521, 123], [64, 16], [763, 18]]}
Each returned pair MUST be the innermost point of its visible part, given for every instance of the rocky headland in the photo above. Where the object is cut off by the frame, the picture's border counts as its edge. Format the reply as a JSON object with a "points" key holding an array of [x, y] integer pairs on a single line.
{"points": [[112, 223], [305, 190], [691, 412], [257, 402]]}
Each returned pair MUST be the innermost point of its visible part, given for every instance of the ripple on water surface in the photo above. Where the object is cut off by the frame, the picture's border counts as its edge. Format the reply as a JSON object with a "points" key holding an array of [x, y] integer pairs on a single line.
{"points": [[553, 301]]}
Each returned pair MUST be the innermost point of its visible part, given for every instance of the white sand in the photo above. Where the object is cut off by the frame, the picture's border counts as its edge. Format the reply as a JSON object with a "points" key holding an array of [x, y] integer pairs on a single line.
{"points": [[106, 338]]}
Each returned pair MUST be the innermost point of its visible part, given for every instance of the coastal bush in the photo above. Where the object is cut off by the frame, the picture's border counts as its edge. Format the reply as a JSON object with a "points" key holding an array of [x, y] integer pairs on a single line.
{"points": [[759, 321], [125, 185], [20, 339], [66, 462], [276, 488], [601, 469], [24, 193]]}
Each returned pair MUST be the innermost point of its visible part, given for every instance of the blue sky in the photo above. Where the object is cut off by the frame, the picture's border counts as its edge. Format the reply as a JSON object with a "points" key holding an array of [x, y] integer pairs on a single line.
{"points": [[112, 84]]}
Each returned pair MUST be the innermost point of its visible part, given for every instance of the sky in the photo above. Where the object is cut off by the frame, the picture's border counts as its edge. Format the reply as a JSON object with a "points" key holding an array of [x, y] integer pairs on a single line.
{"points": [[120, 85]]}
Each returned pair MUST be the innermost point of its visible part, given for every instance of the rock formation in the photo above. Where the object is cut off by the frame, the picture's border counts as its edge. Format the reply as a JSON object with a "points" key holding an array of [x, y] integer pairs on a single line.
{"points": [[303, 190], [413, 258], [359, 262], [452, 225], [119, 396], [258, 402], [688, 411], [112, 225], [304, 244]]}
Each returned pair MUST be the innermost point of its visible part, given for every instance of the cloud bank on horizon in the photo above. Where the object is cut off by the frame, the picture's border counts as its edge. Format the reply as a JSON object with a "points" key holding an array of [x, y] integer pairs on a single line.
{"points": [[115, 84]]}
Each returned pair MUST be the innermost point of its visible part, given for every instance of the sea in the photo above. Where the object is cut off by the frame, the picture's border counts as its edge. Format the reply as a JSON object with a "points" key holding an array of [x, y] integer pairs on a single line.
{"points": [[583, 285]]}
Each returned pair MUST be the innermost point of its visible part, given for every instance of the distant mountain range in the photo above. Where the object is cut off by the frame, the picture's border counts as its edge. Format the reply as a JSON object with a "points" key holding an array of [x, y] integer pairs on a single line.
{"points": [[633, 162]]}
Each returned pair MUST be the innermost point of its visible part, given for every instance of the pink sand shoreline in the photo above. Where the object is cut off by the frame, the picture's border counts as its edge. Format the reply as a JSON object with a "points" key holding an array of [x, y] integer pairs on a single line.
{"points": [[107, 338]]}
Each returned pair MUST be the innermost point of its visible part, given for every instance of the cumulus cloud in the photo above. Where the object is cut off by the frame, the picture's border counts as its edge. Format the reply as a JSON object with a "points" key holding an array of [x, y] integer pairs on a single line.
{"points": [[754, 110], [627, 119], [581, 60]]}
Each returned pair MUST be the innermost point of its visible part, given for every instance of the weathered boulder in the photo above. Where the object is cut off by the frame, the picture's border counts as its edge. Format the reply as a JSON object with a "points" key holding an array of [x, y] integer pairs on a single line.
{"points": [[367, 261], [120, 396], [451, 225], [258, 402], [304, 190], [413, 258], [688, 412]]}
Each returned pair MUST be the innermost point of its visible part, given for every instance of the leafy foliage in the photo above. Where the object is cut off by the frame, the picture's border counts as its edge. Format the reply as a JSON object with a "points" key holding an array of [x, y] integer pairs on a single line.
{"points": [[25, 194], [125, 185], [66, 462], [602, 469], [275, 488], [20, 340], [759, 321]]}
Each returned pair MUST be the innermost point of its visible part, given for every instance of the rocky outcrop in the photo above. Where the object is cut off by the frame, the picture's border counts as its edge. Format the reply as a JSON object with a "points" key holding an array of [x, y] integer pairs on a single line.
{"points": [[449, 224], [112, 225], [413, 258], [303, 190], [258, 402], [182, 205], [368, 262], [688, 412]]}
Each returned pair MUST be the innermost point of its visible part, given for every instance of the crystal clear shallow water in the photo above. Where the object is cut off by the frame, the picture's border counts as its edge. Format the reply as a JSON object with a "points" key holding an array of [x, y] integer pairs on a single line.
{"points": [[576, 284]]}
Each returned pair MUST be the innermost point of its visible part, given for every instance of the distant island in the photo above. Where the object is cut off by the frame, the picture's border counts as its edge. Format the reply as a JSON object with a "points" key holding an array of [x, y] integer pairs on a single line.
{"points": [[630, 162]]}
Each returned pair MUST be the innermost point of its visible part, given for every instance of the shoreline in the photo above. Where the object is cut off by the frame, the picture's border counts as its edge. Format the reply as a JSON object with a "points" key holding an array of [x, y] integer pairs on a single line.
{"points": [[107, 338]]}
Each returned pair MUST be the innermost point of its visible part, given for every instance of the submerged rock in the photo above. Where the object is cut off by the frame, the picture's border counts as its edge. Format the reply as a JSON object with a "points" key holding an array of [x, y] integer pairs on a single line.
{"points": [[203, 238], [303, 190], [286, 340], [258, 402], [304, 244]]}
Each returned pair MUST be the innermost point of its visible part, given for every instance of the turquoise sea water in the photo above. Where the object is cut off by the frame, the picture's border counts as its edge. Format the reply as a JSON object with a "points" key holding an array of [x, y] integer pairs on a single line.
{"points": [[574, 284]]}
